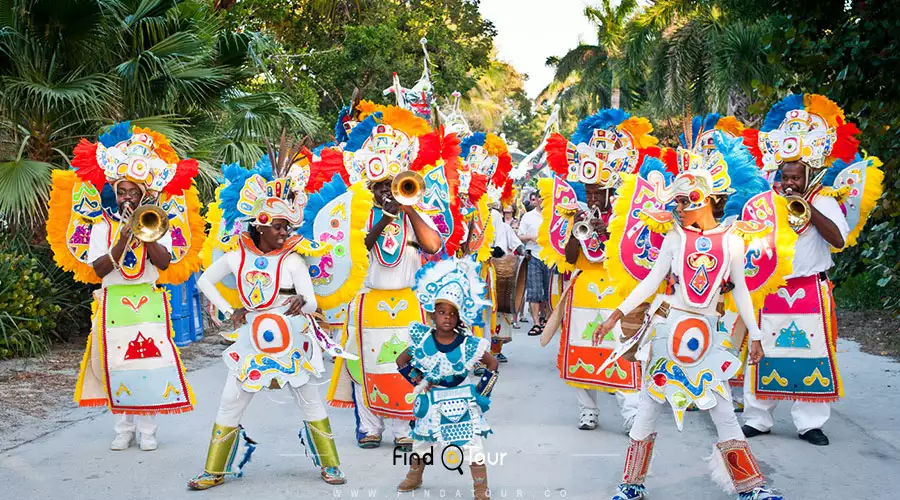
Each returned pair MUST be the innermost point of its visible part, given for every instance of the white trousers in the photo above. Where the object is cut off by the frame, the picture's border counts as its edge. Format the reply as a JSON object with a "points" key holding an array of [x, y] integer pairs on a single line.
{"points": [[722, 415], [807, 416], [371, 424], [235, 401], [143, 424], [628, 401]]}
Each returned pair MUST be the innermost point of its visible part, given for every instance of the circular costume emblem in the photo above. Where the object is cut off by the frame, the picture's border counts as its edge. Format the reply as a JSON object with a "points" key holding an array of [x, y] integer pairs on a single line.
{"points": [[703, 244], [261, 263], [690, 341], [271, 334]]}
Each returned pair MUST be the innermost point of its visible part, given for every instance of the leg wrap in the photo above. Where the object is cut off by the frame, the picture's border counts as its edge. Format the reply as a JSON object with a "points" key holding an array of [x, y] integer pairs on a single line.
{"points": [[637, 460], [741, 465], [223, 446], [319, 442]]}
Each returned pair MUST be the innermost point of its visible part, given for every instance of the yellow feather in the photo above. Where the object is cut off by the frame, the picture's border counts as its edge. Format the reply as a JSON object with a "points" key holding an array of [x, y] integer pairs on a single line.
{"points": [[639, 129], [824, 107]]}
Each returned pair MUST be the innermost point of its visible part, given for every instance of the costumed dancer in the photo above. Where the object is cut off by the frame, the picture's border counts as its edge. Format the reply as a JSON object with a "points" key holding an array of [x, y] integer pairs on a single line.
{"points": [[379, 150], [448, 409], [278, 343], [710, 263], [831, 192], [573, 237], [128, 217]]}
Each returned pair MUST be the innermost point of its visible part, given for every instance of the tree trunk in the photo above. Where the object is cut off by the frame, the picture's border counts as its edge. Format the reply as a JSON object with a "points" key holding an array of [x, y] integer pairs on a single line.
{"points": [[738, 104], [614, 98]]}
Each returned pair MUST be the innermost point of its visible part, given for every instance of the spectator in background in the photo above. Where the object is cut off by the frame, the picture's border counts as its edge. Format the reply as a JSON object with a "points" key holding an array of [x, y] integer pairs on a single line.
{"points": [[537, 284]]}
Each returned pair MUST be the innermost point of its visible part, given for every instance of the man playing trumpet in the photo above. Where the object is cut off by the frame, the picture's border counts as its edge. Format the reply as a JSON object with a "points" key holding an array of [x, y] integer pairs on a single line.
{"points": [[124, 218], [380, 152], [805, 139]]}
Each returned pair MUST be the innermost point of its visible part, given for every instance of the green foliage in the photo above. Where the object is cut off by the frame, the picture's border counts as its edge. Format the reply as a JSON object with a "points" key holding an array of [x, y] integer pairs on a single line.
{"points": [[27, 312]]}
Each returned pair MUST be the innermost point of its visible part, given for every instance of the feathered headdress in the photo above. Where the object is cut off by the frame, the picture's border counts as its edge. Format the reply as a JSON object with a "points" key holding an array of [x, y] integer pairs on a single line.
{"points": [[383, 144], [485, 166], [703, 129], [803, 127], [455, 281], [139, 155], [603, 146]]}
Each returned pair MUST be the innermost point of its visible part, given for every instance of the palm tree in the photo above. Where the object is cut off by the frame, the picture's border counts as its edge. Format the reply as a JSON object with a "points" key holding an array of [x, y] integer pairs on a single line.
{"points": [[589, 77], [491, 100], [692, 56], [69, 67]]}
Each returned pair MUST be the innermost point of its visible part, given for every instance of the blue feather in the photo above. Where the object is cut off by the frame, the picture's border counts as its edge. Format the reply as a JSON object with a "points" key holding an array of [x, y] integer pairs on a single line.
{"points": [[746, 179], [361, 132], [580, 193], [235, 177], [317, 151], [653, 164], [117, 133], [476, 139], [606, 119], [340, 134], [776, 115], [709, 123], [836, 168], [331, 190]]}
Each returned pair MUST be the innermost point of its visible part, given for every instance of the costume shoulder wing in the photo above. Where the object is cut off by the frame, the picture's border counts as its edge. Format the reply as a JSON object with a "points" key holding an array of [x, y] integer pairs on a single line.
{"points": [[768, 242], [441, 203], [218, 242], [558, 212], [74, 209], [482, 230], [636, 232], [857, 188], [187, 229], [335, 220]]}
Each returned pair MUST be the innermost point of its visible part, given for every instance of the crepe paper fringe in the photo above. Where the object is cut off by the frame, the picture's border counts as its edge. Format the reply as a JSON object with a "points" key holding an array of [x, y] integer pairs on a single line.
{"points": [[58, 216]]}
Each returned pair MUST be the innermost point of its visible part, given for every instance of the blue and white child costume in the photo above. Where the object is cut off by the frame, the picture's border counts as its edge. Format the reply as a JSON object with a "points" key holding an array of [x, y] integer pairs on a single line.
{"points": [[451, 410]]}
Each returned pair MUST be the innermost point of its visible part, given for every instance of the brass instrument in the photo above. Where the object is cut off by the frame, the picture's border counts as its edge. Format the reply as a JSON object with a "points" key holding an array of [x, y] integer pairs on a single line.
{"points": [[583, 230], [408, 188], [148, 223], [799, 212]]}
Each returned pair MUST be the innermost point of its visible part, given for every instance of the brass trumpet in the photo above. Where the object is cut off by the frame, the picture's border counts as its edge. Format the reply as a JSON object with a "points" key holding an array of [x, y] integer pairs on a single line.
{"points": [[583, 230], [408, 188], [148, 223], [799, 212]]}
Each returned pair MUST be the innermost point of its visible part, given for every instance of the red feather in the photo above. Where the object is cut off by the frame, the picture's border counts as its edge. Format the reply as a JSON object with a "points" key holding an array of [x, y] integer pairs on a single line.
{"points": [[507, 194], [429, 151], [653, 151], [85, 164], [751, 140], [185, 172], [451, 149], [320, 172], [846, 145], [504, 166], [477, 187], [556, 154], [670, 160]]}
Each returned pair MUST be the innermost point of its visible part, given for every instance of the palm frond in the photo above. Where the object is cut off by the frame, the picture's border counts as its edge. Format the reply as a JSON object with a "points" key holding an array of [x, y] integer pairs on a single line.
{"points": [[24, 191]]}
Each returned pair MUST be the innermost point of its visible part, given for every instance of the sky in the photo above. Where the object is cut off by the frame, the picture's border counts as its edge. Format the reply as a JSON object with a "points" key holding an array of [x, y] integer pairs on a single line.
{"points": [[530, 31]]}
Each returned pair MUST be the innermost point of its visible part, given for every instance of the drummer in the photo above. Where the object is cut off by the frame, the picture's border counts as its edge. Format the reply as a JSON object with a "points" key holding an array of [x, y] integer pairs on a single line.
{"points": [[505, 243]]}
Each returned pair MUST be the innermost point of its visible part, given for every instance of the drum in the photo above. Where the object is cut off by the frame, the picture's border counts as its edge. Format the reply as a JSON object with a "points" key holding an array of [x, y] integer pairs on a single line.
{"points": [[511, 272]]}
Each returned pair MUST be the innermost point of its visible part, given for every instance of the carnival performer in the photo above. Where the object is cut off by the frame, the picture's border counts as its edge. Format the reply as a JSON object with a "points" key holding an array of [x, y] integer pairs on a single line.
{"points": [[128, 217], [831, 191], [448, 409], [572, 237], [382, 146], [704, 259], [278, 344]]}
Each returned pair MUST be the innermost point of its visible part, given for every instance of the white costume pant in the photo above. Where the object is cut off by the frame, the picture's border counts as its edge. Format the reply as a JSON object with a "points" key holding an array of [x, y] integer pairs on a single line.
{"points": [[235, 401], [722, 415], [371, 424], [758, 412], [143, 424], [628, 401], [473, 451]]}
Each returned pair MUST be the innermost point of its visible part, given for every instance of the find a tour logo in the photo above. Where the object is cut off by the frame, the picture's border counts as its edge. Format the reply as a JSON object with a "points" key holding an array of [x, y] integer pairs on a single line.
{"points": [[452, 457]]}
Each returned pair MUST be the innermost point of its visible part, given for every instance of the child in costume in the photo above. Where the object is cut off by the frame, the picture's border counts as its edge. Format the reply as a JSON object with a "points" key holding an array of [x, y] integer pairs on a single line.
{"points": [[704, 258], [448, 409], [128, 218], [603, 147], [806, 143], [278, 344]]}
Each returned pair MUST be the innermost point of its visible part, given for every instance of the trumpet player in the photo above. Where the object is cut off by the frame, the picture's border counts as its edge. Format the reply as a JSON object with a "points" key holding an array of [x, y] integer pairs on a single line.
{"points": [[798, 320], [380, 152], [131, 364], [603, 146]]}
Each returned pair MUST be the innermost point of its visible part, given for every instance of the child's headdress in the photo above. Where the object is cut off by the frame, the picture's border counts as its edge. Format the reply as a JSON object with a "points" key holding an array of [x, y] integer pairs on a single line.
{"points": [[457, 282]]}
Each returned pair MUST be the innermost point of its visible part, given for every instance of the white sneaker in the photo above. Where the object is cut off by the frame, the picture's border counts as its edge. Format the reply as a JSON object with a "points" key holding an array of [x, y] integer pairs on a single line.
{"points": [[588, 420], [123, 441], [148, 442]]}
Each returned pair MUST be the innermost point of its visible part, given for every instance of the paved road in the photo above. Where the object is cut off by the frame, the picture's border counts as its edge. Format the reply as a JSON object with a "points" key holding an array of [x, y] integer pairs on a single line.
{"points": [[534, 417]]}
